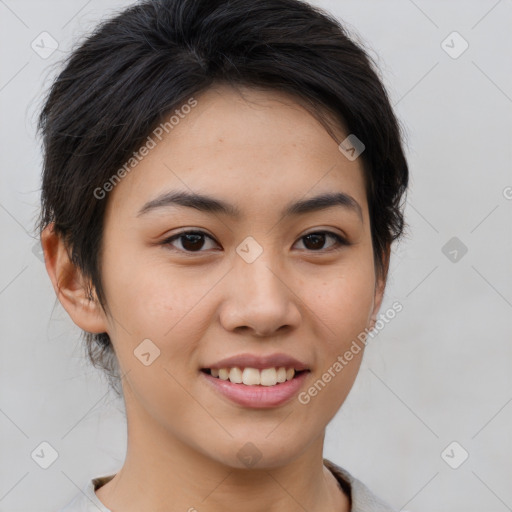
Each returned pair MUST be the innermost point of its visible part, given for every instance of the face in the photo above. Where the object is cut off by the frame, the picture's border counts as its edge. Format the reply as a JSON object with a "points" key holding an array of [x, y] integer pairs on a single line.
{"points": [[259, 282]]}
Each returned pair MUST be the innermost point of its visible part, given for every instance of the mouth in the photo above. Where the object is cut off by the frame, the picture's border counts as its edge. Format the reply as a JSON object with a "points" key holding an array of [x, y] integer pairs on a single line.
{"points": [[255, 388], [273, 376]]}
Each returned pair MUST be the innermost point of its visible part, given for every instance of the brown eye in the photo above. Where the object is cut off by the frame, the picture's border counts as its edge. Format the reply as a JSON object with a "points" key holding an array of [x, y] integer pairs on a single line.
{"points": [[316, 241], [190, 241]]}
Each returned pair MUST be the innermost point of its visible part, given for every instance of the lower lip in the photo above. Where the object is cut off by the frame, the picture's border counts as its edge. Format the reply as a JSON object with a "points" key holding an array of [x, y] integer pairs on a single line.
{"points": [[257, 396]]}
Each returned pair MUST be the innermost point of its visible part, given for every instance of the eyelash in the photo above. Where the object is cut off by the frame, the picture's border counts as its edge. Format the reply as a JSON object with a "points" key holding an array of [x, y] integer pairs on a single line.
{"points": [[340, 241]]}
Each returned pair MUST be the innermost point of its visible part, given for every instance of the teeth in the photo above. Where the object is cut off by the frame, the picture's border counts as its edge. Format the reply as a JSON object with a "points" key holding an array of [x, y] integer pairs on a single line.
{"points": [[253, 376], [281, 374], [268, 377], [235, 375]]}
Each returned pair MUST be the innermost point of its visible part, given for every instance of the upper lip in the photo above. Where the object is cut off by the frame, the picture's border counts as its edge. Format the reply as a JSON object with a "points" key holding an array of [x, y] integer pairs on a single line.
{"points": [[260, 362]]}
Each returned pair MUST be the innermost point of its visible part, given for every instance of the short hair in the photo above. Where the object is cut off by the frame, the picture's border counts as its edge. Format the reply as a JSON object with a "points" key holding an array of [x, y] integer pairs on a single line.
{"points": [[138, 66]]}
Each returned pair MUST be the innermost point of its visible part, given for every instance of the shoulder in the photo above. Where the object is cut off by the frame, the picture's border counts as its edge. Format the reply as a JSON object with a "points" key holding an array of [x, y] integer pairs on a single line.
{"points": [[86, 500], [363, 500]]}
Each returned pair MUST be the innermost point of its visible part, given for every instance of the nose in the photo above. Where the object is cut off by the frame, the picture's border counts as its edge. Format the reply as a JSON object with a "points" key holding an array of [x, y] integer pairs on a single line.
{"points": [[259, 298]]}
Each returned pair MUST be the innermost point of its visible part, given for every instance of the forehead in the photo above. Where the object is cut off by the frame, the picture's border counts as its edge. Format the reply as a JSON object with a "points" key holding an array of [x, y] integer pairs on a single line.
{"points": [[255, 148], [245, 116]]}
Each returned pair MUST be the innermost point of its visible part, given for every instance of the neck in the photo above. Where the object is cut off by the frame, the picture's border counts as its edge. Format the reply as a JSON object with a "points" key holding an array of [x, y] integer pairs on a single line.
{"points": [[160, 470]]}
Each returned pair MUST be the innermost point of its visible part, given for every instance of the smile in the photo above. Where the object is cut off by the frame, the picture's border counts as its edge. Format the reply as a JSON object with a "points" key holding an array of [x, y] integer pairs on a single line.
{"points": [[255, 388], [254, 376]]}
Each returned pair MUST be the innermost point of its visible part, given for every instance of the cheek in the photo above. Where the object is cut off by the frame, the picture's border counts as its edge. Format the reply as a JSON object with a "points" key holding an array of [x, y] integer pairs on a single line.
{"points": [[151, 298], [344, 303], [165, 305], [342, 308], [148, 302]]}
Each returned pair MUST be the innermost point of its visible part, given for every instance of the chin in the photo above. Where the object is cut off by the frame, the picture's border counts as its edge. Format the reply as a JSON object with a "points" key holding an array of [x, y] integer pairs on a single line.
{"points": [[258, 452]]}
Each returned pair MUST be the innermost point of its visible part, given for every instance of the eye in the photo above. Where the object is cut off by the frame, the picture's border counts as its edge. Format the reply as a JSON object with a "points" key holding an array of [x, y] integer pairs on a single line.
{"points": [[194, 241], [316, 240], [190, 241]]}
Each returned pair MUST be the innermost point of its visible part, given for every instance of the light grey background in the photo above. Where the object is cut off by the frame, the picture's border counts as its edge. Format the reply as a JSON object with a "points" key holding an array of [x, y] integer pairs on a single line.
{"points": [[439, 372]]}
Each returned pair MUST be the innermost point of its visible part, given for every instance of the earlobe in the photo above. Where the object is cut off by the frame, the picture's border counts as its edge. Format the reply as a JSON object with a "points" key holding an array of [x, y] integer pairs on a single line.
{"points": [[71, 288]]}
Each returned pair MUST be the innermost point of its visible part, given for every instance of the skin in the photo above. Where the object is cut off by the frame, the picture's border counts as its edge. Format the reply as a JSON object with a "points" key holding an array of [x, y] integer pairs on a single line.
{"points": [[259, 151]]}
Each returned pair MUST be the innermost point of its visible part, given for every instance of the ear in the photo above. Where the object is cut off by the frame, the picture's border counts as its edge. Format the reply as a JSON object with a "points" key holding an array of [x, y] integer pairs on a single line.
{"points": [[380, 285], [70, 286]]}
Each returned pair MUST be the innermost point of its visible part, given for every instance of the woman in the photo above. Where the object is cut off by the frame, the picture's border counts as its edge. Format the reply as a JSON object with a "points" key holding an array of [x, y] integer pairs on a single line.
{"points": [[222, 184]]}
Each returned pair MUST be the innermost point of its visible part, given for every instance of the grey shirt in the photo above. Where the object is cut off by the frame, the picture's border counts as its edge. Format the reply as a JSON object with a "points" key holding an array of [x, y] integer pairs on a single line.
{"points": [[362, 499]]}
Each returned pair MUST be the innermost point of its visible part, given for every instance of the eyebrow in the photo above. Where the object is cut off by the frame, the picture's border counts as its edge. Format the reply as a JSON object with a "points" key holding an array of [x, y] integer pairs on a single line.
{"points": [[210, 204]]}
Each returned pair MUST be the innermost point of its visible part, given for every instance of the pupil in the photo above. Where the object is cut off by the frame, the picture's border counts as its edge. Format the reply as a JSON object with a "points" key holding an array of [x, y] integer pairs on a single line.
{"points": [[191, 241], [317, 238]]}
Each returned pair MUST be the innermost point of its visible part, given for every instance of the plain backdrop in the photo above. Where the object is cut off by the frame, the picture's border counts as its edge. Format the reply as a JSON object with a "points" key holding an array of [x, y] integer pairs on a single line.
{"points": [[427, 425]]}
